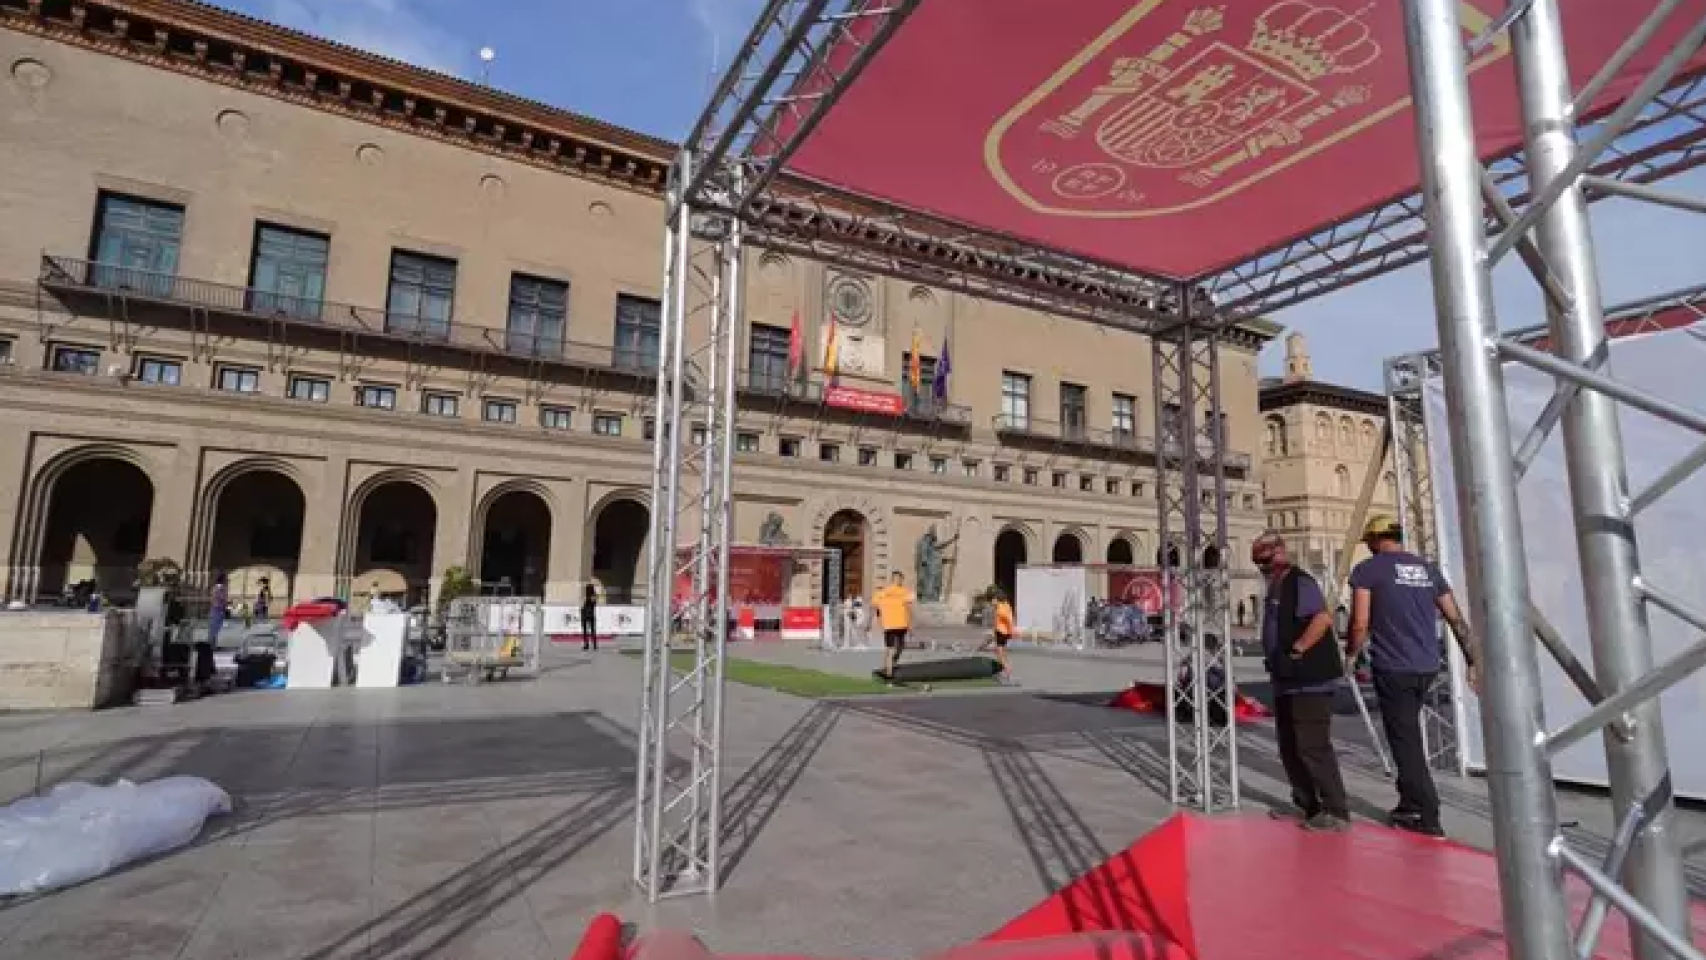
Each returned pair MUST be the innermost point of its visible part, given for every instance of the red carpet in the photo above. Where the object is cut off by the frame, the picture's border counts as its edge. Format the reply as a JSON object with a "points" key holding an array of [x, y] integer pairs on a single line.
{"points": [[1152, 698], [1252, 888]]}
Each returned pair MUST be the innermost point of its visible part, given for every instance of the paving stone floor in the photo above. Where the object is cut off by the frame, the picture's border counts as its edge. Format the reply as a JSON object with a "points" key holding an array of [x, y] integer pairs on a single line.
{"points": [[493, 822]]}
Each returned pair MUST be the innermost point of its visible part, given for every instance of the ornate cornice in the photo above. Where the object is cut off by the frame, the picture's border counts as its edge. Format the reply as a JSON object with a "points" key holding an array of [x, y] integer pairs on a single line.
{"points": [[212, 44], [1314, 392]]}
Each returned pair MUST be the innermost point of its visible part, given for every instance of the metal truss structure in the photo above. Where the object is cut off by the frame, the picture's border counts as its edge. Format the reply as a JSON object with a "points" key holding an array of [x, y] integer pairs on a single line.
{"points": [[802, 55]]}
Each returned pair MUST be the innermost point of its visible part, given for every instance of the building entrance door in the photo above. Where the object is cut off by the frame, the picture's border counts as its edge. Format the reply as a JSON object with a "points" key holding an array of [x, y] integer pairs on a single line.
{"points": [[846, 532]]}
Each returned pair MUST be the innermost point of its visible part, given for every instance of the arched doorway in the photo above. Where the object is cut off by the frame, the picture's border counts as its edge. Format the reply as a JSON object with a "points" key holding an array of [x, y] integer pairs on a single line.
{"points": [[1167, 556], [1211, 557], [257, 535], [1120, 552], [847, 531], [515, 547], [395, 530], [1010, 554], [1068, 549], [618, 547], [97, 528]]}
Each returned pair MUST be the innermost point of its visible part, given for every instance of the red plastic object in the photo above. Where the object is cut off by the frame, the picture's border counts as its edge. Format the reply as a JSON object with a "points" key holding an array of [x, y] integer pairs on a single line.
{"points": [[308, 610], [602, 939], [1152, 698]]}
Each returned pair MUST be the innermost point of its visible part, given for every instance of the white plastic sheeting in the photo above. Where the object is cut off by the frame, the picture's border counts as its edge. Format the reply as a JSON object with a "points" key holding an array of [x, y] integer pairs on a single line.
{"points": [[80, 831], [1671, 533]]}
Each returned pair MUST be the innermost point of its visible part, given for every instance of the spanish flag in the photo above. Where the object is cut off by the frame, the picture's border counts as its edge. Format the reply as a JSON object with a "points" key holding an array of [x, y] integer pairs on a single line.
{"points": [[915, 365], [831, 350]]}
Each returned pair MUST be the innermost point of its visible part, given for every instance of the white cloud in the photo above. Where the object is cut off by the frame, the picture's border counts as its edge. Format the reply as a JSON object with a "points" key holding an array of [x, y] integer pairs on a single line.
{"points": [[390, 28], [725, 24]]}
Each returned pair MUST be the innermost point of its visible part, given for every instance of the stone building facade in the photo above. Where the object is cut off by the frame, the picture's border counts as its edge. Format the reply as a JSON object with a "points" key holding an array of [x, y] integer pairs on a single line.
{"points": [[277, 308], [1318, 440]]}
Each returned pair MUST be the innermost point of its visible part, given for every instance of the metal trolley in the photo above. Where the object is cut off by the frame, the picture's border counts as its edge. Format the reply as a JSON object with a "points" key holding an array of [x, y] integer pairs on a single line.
{"points": [[487, 637]]}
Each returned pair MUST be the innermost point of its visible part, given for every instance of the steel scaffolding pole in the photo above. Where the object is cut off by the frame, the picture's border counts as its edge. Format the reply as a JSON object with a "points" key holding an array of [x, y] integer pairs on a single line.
{"points": [[1524, 808], [1598, 481]]}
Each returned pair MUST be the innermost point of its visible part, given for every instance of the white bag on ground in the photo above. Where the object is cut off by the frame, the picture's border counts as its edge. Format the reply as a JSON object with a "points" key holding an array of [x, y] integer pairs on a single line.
{"points": [[80, 831]]}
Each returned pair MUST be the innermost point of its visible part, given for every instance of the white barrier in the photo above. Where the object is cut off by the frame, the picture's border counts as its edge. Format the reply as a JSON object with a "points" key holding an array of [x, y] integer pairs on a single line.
{"points": [[563, 620]]}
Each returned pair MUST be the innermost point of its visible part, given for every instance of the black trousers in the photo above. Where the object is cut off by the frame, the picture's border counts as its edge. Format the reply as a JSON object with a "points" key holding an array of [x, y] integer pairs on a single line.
{"points": [[1401, 696], [1304, 724]]}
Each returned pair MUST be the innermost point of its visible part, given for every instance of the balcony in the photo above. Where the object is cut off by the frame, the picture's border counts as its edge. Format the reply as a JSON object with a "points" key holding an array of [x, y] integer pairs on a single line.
{"points": [[1062, 436], [815, 393], [102, 284]]}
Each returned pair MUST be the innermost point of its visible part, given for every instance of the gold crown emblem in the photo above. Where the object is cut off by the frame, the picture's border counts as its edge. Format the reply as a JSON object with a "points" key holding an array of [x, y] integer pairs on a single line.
{"points": [[1312, 41]]}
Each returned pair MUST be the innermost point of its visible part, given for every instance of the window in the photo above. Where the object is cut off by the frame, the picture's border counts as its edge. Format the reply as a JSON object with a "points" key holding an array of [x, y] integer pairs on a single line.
{"points": [[538, 312], [1030, 476], [1278, 443], [867, 456], [1124, 416], [648, 429], [903, 461], [238, 379], [378, 397], [1347, 435], [698, 436], [970, 468], [1170, 425], [1113, 486], [1059, 479], [926, 379], [422, 291], [746, 443], [556, 418], [829, 452], [1087, 484], [607, 424], [287, 275], [75, 360], [136, 243], [1003, 473], [440, 405], [767, 358], [638, 324], [5, 350], [788, 447], [1249, 501], [1015, 401], [939, 466], [1342, 481], [1072, 410], [1137, 488], [315, 389], [156, 370], [498, 411], [1208, 427]]}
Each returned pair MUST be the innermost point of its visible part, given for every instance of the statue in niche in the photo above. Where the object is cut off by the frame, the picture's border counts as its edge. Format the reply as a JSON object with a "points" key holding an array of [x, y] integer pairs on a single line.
{"points": [[771, 533], [928, 558]]}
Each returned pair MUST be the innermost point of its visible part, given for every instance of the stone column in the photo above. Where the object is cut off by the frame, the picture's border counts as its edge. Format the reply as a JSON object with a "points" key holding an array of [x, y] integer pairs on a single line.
{"points": [[14, 475], [451, 543], [567, 562], [177, 487], [323, 521]]}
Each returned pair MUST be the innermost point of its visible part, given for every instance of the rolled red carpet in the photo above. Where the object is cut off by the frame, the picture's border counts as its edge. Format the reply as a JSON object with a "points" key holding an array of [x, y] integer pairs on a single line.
{"points": [[602, 939]]}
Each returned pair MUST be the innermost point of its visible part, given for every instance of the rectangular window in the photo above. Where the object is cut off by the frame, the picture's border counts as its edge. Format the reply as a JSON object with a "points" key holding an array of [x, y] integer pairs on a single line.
{"points": [[1030, 476], [829, 452], [441, 405], [746, 443], [767, 358], [1208, 430], [5, 350], [649, 429], [1003, 473], [903, 461], [1015, 401], [556, 418], [1073, 410], [1170, 417], [1249, 501], [698, 436], [136, 244], [607, 424], [377, 397], [788, 447], [67, 359], [315, 389], [499, 411], [867, 456], [1137, 488], [926, 392], [1113, 486], [1059, 479], [1087, 484], [167, 373], [422, 291], [939, 466], [287, 274], [970, 468], [1124, 417], [238, 379], [639, 323], [538, 315]]}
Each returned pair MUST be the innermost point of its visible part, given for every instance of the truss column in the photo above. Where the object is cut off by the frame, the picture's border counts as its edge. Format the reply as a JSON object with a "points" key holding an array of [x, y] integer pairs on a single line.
{"points": [[1599, 483], [1524, 807], [1181, 774], [1226, 748], [1190, 483]]}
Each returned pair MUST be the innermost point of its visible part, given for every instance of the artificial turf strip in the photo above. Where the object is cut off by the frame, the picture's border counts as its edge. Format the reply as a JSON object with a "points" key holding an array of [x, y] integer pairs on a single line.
{"points": [[812, 684]]}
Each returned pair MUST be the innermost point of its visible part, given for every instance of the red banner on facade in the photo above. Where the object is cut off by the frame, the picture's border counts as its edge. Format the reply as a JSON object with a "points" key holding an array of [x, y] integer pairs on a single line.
{"points": [[865, 401], [754, 578], [1142, 589]]}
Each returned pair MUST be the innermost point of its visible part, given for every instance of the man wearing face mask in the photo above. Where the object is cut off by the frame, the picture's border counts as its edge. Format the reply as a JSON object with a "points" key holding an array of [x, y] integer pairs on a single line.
{"points": [[1302, 658]]}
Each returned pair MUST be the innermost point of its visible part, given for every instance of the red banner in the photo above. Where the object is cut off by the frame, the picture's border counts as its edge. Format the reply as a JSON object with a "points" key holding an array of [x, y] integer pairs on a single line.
{"points": [[802, 618], [754, 578], [865, 401], [1142, 589]]}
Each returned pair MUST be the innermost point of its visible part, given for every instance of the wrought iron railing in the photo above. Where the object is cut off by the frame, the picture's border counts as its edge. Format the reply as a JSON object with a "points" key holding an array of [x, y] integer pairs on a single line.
{"points": [[1124, 440]]}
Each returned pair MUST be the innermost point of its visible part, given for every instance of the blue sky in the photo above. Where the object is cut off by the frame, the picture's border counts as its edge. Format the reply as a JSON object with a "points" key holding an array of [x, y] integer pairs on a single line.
{"points": [[647, 64]]}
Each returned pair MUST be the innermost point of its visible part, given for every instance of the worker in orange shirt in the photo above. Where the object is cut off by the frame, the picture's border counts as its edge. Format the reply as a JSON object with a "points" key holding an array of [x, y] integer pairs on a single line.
{"points": [[893, 604], [1003, 633]]}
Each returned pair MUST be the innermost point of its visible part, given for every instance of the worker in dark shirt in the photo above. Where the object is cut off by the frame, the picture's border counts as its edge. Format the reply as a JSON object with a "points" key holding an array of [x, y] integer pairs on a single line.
{"points": [[1396, 602], [1302, 658]]}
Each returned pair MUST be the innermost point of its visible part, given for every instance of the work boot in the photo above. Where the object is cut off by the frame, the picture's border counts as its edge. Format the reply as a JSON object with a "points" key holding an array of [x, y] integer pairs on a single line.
{"points": [[1326, 823], [1417, 826]]}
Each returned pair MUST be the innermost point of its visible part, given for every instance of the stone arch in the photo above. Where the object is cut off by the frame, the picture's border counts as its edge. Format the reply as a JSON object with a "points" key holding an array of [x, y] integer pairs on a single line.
{"points": [[1323, 428], [350, 539], [271, 553], [626, 576], [1071, 545], [198, 565], [524, 555], [1013, 546], [1347, 435], [29, 539], [1278, 444], [1370, 436], [1341, 481], [877, 544], [1121, 550]]}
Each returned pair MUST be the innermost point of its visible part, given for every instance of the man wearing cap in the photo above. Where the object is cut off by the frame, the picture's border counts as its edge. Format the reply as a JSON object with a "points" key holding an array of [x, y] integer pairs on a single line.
{"points": [[1302, 658], [1397, 598]]}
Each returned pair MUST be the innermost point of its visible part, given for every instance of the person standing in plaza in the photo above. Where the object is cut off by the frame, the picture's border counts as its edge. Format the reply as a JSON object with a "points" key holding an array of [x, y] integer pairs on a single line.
{"points": [[1396, 601], [589, 617], [1302, 659], [893, 604]]}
